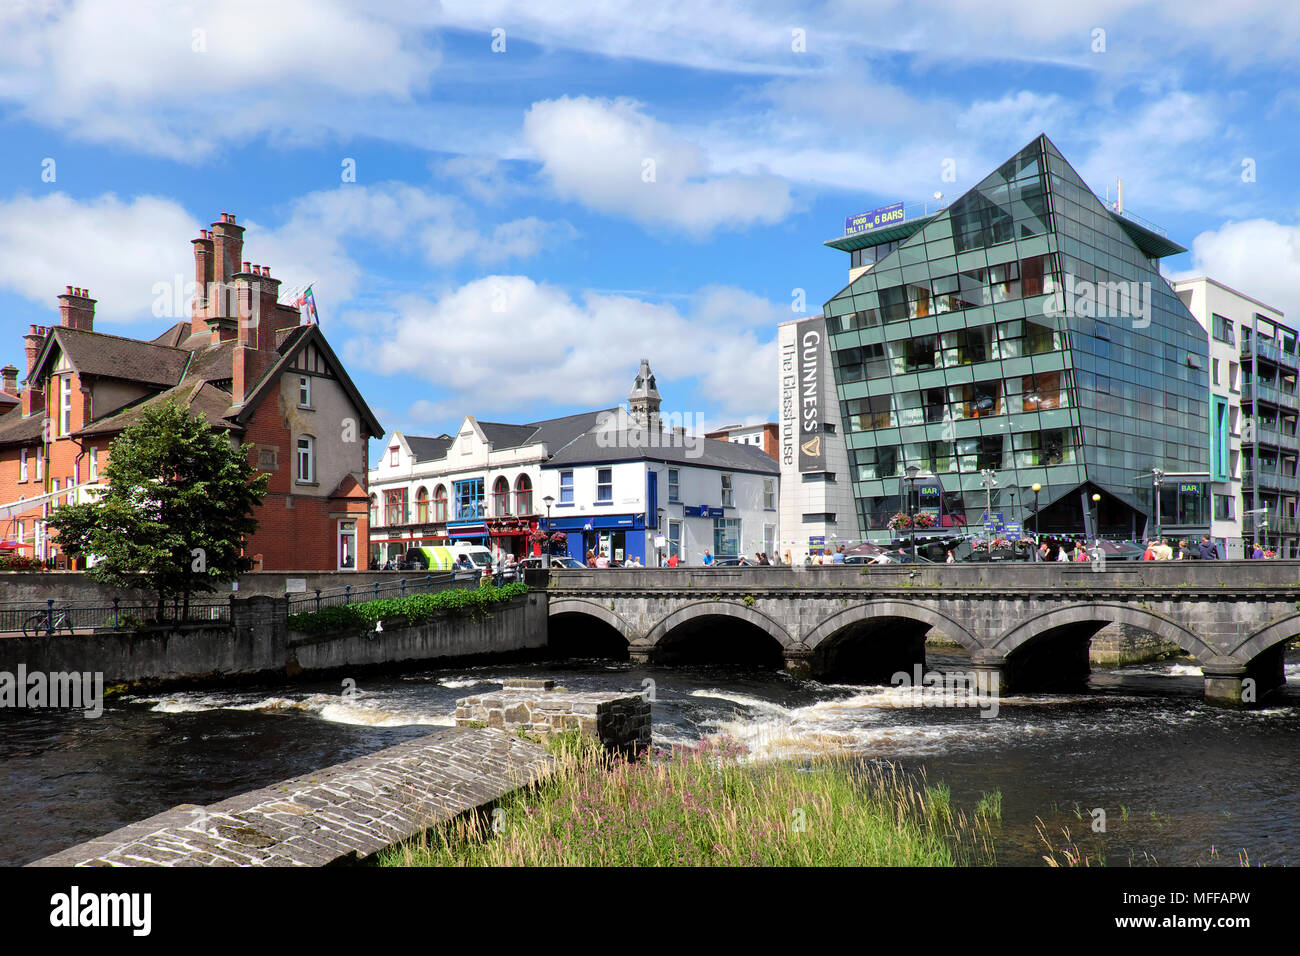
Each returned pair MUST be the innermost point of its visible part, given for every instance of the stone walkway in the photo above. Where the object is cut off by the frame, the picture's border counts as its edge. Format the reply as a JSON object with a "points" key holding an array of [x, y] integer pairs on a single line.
{"points": [[340, 814]]}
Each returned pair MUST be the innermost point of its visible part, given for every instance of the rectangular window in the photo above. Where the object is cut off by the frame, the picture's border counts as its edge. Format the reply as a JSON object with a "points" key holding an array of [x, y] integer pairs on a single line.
{"points": [[1232, 376], [469, 499], [1223, 508], [674, 485], [604, 485], [306, 463], [1222, 330], [566, 487], [727, 497], [675, 539], [347, 545], [94, 464], [982, 399], [726, 537], [1215, 366], [65, 405], [40, 461], [866, 414], [392, 456], [769, 494], [22, 465], [304, 391]]}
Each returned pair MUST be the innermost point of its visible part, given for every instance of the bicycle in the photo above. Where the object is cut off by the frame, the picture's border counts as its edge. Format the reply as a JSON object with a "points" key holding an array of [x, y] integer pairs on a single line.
{"points": [[40, 623]]}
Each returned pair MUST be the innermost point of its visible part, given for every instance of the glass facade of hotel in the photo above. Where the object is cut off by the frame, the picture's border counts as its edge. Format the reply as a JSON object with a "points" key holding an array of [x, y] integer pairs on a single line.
{"points": [[1025, 328]]}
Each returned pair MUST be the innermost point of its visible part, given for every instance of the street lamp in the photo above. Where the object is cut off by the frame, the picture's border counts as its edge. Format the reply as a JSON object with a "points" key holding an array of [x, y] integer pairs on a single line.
{"points": [[1036, 488], [988, 481], [546, 545], [912, 472], [659, 531], [1096, 531], [1157, 479]]}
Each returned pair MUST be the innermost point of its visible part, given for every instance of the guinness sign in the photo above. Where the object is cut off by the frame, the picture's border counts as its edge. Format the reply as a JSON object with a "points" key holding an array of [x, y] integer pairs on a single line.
{"points": [[811, 373]]}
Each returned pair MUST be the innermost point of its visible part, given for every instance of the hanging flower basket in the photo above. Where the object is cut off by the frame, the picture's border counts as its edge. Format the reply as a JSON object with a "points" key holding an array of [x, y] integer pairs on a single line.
{"points": [[900, 522], [924, 519]]}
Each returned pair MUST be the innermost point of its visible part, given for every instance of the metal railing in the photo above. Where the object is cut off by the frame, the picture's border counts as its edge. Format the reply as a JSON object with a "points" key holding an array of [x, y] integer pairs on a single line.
{"points": [[1271, 351], [417, 583], [51, 616]]}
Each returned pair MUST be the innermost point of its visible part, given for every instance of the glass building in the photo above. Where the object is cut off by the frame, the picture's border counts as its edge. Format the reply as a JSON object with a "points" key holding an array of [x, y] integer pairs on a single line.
{"points": [[1025, 329]]}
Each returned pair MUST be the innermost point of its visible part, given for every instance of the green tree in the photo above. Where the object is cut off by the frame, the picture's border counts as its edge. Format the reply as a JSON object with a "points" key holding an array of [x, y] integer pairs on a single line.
{"points": [[179, 504]]}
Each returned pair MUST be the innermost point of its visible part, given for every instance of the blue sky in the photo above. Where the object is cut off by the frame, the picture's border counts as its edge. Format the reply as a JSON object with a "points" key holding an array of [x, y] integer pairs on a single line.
{"points": [[503, 250]]}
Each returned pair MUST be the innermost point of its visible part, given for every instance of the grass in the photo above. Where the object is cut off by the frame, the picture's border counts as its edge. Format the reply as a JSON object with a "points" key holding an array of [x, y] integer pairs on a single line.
{"points": [[413, 609], [703, 806]]}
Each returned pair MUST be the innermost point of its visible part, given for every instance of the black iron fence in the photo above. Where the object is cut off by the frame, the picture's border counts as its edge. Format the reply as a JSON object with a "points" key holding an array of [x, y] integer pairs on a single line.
{"points": [[314, 600], [51, 617]]}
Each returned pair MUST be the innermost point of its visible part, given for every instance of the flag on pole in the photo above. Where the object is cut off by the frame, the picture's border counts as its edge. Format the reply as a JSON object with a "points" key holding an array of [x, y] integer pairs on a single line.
{"points": [[307, 301]]}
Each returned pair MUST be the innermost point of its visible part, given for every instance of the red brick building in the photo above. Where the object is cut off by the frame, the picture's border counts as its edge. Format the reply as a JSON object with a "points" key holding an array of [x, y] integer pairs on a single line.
{"points": [[243, 362], [764, 435]]}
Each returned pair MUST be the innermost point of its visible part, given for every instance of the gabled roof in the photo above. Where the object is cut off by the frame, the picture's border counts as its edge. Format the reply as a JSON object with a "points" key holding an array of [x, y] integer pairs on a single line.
{"points": [[350, 486], [289, 349], [174, 336], [501, 435], [207, 401], [112, 356]]}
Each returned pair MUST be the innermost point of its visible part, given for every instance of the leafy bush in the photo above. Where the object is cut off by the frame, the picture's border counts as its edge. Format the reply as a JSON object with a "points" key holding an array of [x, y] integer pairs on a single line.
{"points": [[19, 562], [413, 609]]}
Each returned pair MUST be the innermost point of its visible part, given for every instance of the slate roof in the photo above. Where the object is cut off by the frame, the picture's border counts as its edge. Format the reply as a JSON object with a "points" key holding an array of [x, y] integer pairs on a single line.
{"points": [[618, 444], [112, 356], [16, 430], [428, 449], [207, 401]]}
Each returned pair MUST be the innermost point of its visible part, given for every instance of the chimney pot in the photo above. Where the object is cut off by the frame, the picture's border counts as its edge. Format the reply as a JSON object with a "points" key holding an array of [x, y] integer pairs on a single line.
{"points": [[69, 292], [246, 264]]}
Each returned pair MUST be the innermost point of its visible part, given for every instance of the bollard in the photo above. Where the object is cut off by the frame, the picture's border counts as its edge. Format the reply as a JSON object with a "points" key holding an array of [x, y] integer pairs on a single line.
{"points": [[428, 583], [115, 618], [318, 599], [347, 594]]}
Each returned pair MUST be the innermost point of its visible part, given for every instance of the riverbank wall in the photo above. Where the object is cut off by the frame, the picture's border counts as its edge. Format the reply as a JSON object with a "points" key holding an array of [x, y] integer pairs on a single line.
{"points": [[256, 643]]}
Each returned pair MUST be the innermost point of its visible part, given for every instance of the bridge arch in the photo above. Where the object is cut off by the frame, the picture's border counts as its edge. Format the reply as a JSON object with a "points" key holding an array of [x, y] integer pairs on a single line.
{"points": [[879, 609], [706, 609], [1267, 638], [599, 632], [1101, 613]]}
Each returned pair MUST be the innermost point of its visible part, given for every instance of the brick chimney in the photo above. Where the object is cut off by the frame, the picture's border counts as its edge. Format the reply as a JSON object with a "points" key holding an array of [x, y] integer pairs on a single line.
{"points": [[77, 309], [249, 365], [9, 379], [227, 246], [33, 397], [203, 262]]}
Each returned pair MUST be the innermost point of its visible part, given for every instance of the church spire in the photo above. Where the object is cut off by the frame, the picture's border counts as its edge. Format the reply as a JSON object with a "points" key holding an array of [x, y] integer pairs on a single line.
{"points": [[643, 400]]}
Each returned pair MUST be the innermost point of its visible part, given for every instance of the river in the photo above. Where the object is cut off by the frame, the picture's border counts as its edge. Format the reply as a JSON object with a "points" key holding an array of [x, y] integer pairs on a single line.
{"points": [[1181, 783]]}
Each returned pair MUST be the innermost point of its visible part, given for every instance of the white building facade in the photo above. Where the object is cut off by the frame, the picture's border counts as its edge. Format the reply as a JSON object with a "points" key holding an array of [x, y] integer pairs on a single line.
{"points": [[1253, 417]]}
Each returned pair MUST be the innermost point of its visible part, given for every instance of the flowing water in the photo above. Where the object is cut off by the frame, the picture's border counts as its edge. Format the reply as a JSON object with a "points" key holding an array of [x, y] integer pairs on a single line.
{"points": [[1181, 783]]}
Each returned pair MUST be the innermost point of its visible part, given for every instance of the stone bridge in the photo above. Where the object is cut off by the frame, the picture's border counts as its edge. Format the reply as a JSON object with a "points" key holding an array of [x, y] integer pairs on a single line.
{"points": [[1028, 624]]}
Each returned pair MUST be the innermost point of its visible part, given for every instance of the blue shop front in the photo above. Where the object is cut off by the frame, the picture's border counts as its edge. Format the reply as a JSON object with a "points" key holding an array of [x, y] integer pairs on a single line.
{"points": [[621, 537]]}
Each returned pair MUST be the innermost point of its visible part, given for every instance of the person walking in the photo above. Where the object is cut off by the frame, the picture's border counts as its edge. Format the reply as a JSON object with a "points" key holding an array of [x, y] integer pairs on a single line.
{"points": [[591, 558], [951, 559], [788, 559], [672, 560], [1061, 553], [602, 561], [838, 557], [1209, 551]]}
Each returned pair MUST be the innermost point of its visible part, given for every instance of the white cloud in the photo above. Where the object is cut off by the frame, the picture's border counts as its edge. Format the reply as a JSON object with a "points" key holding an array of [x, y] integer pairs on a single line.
{"points": [[1258, 257], [506, 344], [179, 79], [612, 157], [117, 249]]}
